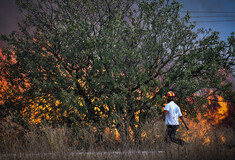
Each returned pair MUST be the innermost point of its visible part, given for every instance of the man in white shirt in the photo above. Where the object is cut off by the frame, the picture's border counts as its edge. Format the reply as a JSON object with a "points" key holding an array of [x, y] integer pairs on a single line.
{"points": [[171, 114]]}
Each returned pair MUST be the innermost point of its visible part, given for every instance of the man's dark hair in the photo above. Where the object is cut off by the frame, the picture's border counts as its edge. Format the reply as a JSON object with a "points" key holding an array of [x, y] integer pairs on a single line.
{"points": [[169, 99]]}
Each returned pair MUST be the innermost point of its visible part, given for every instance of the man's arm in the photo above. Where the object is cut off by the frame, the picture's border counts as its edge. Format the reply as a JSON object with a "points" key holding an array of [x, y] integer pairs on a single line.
{"points": [[162, 116], [183, 120]]}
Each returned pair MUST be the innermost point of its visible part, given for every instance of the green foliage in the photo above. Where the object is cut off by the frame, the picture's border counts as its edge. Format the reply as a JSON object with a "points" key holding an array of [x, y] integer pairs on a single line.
{"points": [[115, 53]]}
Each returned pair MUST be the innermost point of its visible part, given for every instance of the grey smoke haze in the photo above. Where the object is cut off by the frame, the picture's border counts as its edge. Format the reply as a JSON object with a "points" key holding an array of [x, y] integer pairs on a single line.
{"points": [[9, 16]]}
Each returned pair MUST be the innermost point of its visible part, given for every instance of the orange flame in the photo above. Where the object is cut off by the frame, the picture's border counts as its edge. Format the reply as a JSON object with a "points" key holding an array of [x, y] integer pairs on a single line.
{"points": [[203, 130]]}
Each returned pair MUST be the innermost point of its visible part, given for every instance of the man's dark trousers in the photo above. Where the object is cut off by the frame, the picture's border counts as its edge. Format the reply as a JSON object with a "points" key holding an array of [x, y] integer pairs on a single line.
{"points": [[171, 134]]}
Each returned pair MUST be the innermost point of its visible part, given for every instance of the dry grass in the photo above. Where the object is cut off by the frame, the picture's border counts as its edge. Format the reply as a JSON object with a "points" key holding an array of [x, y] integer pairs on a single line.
{"points": [[66, 143]]}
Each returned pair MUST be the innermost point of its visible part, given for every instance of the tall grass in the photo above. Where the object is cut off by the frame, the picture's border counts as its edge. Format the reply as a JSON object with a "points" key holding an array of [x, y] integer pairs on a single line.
{"points": [[72, 143]]}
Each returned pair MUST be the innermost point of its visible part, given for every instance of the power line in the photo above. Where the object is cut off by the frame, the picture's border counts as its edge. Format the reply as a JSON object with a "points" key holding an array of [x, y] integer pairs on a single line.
{"points": [[217, 15], [212, 16], [206, 12], [217, 21]]}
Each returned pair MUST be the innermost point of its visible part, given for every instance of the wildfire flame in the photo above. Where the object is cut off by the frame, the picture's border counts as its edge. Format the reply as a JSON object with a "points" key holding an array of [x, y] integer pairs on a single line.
{"points": [[204, 129]]}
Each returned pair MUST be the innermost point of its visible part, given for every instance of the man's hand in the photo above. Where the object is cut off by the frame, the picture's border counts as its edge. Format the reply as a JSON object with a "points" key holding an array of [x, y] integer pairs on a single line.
{"points": [[186, 126]]}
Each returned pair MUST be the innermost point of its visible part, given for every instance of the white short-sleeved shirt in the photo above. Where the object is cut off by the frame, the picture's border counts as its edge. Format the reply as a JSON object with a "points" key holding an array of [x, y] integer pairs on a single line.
{"points": [[174, 112]]}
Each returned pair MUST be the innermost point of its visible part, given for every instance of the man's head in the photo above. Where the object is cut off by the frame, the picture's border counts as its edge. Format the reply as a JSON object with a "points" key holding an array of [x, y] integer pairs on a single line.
{"points": [[170, 95]]}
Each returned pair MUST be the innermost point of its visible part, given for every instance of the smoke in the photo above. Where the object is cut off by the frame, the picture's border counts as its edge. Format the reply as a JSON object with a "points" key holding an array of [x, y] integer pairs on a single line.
{"points": [[9, 17]]}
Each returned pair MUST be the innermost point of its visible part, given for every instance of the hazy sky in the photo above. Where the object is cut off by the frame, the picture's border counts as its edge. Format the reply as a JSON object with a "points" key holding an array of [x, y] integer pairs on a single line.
{"points": [[219, 15]]}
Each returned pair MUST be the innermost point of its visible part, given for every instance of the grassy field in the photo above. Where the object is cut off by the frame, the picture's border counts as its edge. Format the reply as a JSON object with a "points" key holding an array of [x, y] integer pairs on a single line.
{"points": [[66, 143]]}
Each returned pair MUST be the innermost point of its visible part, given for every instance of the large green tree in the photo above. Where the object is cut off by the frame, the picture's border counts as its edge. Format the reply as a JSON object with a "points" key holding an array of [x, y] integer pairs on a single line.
{"points": [[90, 54]]}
